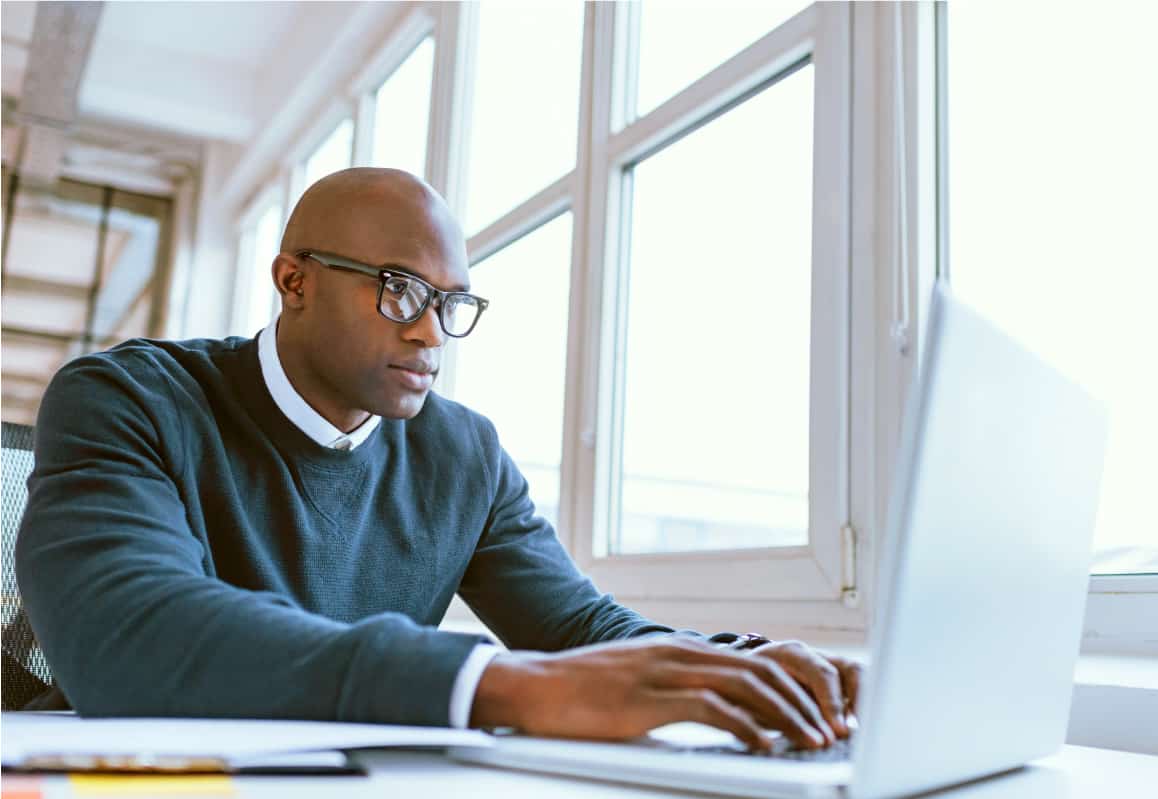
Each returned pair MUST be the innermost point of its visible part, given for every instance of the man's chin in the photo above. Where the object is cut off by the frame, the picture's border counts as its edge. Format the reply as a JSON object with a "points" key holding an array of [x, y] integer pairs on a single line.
{"points": [[404, 407]]}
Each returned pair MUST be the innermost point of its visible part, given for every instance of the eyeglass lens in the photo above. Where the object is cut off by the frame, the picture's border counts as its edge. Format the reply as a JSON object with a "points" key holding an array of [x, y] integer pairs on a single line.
{"points": [[403, 299]]}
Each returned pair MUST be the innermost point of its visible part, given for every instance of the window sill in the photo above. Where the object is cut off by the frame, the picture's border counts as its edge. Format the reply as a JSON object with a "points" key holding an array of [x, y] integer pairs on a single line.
{"points": [[1115, 703]]}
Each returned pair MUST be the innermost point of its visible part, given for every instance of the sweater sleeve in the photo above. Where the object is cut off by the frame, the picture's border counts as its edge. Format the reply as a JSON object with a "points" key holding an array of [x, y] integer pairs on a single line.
{"points": [[116, 587], [522, 583]]}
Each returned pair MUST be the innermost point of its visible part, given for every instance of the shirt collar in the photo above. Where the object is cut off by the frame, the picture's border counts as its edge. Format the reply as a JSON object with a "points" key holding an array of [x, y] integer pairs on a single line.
{"points": [[296, 409]]}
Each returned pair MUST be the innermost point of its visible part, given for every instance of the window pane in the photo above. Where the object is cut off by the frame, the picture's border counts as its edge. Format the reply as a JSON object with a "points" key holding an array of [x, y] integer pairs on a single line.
{"points": [[526, 104], [261, 245], [679, 42], [332, 155], [1052, 169], [401, 113], [511, 367], [715, 438]]}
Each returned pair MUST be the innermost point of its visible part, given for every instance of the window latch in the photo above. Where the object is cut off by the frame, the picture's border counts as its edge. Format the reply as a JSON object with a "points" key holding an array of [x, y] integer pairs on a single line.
{"points": [[849, 595]]}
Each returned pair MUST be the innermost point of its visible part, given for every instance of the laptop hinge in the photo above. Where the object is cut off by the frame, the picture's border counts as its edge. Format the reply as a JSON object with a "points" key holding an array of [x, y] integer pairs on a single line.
{"points": [[849, 595]]}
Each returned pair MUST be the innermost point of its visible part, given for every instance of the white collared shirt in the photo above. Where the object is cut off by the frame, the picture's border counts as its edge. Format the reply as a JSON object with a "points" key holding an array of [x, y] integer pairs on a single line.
{"points": [[296, 409], [314, 425]]}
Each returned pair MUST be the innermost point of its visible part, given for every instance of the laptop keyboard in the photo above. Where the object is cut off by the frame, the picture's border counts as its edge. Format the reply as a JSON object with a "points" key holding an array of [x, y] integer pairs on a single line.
{"points": [[839, 751]]}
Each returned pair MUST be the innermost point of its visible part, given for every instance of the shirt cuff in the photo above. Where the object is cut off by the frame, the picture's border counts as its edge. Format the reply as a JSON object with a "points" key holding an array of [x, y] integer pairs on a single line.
{"points": [[465, 684]]}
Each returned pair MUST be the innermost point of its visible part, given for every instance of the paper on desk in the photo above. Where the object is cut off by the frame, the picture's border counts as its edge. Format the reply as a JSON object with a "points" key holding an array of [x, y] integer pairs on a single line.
{"points": [[25, 735]]}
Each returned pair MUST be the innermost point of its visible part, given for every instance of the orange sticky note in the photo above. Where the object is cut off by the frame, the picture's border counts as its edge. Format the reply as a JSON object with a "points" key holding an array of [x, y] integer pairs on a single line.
{"points": [[20, 787]]}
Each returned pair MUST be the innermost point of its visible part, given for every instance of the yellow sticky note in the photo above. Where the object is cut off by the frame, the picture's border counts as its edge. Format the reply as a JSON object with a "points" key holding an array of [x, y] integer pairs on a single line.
{"points": [[152, 785]]}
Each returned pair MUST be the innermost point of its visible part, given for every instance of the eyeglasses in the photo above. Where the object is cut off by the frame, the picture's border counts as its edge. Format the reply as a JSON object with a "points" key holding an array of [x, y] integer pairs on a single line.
{"points": [[403, 297]]}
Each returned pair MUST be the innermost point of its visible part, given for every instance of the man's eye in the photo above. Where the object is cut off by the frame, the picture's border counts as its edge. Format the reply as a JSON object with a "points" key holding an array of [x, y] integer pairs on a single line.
{"points": [[397, 286]]}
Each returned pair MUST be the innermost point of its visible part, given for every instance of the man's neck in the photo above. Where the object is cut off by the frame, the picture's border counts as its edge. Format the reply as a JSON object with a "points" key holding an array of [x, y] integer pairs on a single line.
{"points": [[312, 389]]}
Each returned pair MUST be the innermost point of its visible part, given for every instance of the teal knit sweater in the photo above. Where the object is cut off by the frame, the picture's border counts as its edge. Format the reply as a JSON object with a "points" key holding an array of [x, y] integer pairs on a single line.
{"points": [[186, 550]]}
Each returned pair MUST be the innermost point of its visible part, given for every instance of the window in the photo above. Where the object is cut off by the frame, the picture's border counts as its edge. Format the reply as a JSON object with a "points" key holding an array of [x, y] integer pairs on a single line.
{"points": [[715, 430], [526, 105], [521, 155], [401, 113], [332, 155], [259, 244], [511, 368], [1051, 175], [679, 42], [713, 463]]}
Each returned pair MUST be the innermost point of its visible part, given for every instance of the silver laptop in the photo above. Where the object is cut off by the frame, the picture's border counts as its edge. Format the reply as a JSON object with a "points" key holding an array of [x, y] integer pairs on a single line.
{"points": [[984, 574]]}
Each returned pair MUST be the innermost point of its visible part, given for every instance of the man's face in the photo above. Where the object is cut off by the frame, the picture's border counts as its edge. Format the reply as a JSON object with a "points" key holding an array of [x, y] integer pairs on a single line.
{"points": [[363, 360]]}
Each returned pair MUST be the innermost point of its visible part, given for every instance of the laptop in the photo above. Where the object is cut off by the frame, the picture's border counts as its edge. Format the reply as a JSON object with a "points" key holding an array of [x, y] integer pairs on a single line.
{"points": [[984, 573]]}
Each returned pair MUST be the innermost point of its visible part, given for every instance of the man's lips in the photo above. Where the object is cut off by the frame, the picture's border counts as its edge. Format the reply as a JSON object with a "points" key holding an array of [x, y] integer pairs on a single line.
{"points": [[415, 375]]}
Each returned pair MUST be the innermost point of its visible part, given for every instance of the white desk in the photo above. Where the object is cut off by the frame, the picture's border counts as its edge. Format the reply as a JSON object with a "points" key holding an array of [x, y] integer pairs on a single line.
{"points": [[1074, 773]]}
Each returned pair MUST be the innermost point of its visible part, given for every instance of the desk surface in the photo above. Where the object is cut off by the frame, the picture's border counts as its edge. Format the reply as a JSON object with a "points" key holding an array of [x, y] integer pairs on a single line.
{"points": [[1074, 773]]}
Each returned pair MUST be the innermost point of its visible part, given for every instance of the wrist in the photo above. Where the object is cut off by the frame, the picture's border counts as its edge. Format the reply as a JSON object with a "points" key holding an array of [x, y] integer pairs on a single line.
{"points": [[500, 698]]}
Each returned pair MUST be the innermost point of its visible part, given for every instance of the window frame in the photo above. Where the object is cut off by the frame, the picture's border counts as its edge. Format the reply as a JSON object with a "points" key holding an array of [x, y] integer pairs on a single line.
{"points": [[816, 572]]}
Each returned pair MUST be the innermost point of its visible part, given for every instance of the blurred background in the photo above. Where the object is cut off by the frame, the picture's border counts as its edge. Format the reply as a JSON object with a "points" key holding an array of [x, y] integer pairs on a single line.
{"points": [[87, 204]]}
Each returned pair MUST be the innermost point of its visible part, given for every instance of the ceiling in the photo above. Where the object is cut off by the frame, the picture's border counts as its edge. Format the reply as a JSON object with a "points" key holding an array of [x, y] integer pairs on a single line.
{"points": [[118, 94], [127, 93], [187, 68]]}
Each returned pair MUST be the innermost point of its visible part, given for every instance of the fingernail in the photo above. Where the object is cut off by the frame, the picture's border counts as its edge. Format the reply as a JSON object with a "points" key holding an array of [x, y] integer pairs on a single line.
{"points": [[816, 737], [850, 721], [829, 735]]}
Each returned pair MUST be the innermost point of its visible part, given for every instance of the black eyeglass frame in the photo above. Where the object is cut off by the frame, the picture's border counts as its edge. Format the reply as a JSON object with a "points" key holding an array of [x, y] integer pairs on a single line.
{"points": [[382, 273]]}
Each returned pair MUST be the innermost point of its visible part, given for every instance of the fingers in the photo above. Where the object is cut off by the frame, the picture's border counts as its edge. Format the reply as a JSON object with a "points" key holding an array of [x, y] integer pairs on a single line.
{"points": [[821, 677], [850, 680], [769, 701], [708, 707], [773, 674]]}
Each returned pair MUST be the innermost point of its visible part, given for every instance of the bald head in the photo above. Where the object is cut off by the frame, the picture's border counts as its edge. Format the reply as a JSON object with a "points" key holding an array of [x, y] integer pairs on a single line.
{"points": [[354, 209]]}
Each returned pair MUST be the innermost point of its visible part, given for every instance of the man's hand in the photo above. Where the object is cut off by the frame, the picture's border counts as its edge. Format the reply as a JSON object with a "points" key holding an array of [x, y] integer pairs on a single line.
{"points": [[833, 682], [623, 689]]}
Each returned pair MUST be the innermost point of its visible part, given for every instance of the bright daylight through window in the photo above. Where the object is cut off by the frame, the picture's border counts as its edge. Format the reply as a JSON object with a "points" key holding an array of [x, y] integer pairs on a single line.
{"points": [[332, 155], [259, 245], [526, 105], [402, 112], [679, 42], [1052, 173], [716, 409], [522, 340]]}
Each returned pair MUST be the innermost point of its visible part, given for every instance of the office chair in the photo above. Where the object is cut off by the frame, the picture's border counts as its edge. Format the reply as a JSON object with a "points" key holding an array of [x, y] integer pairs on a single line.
{"points": [[25, 671]]}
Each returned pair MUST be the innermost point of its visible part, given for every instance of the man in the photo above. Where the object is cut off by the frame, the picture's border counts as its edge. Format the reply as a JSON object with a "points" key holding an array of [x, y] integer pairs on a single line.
{"points": [[274, 527]]}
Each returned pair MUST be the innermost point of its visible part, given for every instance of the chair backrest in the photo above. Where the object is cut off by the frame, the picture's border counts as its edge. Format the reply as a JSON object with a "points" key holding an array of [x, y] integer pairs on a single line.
{"points": [[25, 671]]}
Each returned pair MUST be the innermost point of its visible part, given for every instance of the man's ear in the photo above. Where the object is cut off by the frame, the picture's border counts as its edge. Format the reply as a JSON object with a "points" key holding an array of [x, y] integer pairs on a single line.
{"points": [[289, 280]]}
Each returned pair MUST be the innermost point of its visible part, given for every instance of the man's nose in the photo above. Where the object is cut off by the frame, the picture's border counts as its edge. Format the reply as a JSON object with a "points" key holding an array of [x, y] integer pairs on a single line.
{"points": [[426, 329]]}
